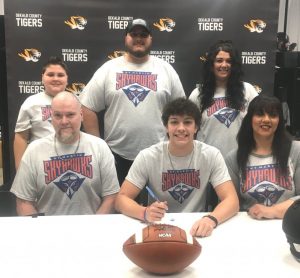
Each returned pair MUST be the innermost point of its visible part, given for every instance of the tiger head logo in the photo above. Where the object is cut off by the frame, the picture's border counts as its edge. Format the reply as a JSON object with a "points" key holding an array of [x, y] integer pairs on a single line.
{"points": [[116, 54], [30, 54], [76, 22], [257, 88], [203, 58], [256, 25], [76, 88], [165, 24]]}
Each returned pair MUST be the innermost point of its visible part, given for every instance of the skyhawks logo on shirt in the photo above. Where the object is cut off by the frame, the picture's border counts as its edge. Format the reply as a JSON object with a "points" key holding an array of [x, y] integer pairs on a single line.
{"points": [[65, 171], [222, 112], [180, 183], [46, 113], [265, 184], [136, 85]]}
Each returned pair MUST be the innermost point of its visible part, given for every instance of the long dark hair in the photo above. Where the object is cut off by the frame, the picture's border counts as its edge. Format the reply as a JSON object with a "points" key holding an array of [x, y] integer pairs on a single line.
{"points": [[235, 87], [282, 142]]}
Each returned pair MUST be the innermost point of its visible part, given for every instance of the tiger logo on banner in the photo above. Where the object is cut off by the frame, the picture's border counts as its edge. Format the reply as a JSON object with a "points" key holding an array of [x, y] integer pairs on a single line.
{"points": [[30, 54], [165, 24], [203, 58], [257, 88], [76, 22], [116, 54], [76, 88], [256, 25]]}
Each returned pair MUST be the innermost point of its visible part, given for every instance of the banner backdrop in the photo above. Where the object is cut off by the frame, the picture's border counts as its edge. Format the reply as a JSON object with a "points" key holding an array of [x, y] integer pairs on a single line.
{"points": [[88, 33]]}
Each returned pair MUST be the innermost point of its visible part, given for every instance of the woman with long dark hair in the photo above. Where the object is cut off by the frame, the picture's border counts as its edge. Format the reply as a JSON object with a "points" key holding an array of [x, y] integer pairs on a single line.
{"points": [[265, 167], [222, 97]]}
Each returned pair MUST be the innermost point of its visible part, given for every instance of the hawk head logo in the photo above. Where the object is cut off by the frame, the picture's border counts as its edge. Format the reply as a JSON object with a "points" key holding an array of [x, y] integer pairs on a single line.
{"points": [[116, 54], [181, 192], [30, 54], [256, 25], [165, 24], [76, 88], [136, 93], [69, 184], [266, 194], [76, 22], [227, 116]]}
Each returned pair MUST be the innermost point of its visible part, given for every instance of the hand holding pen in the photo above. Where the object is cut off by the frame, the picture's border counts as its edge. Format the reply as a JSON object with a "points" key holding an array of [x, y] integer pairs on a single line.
{"points": [[157, 210]]}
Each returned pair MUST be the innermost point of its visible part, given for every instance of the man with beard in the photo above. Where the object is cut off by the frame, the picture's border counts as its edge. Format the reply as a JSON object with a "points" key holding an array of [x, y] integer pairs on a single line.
{"points": [[69, 172], [132, 90]]}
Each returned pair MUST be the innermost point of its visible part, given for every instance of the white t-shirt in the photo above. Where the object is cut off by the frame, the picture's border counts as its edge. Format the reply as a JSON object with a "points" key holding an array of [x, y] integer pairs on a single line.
{"points": [[184, 186], [60, 181], [133, 96], [263, 183], [35, 114], [220, 124]]}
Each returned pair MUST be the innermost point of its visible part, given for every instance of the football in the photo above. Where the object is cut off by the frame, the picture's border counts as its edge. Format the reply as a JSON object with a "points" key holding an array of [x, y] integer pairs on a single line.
{"points": [[162, 249]]}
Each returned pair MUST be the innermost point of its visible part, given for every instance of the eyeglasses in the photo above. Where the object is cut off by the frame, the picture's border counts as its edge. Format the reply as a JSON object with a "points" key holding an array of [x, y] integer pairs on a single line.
{"points": [[139, 34]]}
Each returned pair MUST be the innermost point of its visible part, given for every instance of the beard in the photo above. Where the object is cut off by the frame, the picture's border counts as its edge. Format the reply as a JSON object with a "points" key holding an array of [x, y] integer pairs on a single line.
{"points": [[66, 138], [138, 53]]}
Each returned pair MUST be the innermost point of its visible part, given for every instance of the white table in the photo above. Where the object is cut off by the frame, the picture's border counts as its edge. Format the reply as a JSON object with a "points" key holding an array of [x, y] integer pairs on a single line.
{"points": [[91, 246]]}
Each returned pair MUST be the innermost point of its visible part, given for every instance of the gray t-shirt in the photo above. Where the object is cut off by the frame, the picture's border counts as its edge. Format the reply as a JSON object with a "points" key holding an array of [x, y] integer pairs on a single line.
{"points": [[184, 186], [35, 114], [220, 124], [263, 183], [60, 181], [133, 96]]}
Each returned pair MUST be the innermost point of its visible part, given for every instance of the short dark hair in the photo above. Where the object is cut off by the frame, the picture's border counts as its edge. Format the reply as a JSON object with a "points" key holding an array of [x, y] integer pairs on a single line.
{"points": [[53, 60], [181, 106]]}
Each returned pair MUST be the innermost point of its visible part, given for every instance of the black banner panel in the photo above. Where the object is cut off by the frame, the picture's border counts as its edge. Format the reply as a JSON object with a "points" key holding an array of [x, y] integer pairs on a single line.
{"points": [[88, 33]]}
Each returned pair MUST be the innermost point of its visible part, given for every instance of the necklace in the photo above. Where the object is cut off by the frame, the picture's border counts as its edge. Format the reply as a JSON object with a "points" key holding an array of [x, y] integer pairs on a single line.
{"points": [[60, 156], [169, 156]]}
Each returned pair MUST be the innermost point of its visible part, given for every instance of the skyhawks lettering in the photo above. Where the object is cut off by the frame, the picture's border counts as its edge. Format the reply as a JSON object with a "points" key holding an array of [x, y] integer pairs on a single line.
{"points": [[219, 103], [189, 177], [270, 173], [78, 164], [46, 112], [144, 79]]}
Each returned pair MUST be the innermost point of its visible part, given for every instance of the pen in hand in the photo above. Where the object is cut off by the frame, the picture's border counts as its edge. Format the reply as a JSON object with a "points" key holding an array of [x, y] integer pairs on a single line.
{"points": [[151, 193]]}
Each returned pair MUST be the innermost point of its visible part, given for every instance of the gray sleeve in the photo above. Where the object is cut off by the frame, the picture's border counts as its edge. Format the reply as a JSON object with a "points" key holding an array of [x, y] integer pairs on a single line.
{"points": [[109, 181], [219, 173], [93, 94], [23, 121], [138, 173], [233, 169], [194, 96], [177, 88], [295, 157], [24, 185]]}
